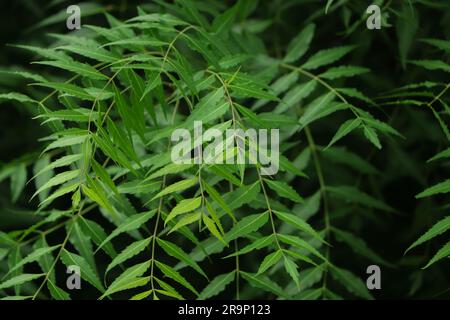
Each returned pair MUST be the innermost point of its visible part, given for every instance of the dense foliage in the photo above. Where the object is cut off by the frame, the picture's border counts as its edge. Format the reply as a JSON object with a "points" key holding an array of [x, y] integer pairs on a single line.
{"points": [[87, 177]]}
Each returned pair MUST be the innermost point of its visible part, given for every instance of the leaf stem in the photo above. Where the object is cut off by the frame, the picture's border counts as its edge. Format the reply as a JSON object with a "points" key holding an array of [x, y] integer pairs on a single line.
{"points": [[323, 192]]}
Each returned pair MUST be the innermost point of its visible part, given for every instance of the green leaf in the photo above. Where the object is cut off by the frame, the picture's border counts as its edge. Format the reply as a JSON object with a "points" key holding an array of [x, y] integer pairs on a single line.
{"points": [[184, 206], [169, 294], [130, 224], [224, 22], [217, 285], [246, 225], [351, 282], [310, 294], [76, 115], [190, 8], [300, 44], [344, 156], [34, 256], [327, 56], [343, 72], [17, 97], [79, 68], [56, 292], [440, 155], [225, 173], [284, 190], [208, 108], [169, 290], [186, 219], [309, 277], [137, 41], [18, 181], [351, 194], [263, 283], [255, 245], [60, 192], [286, 165], [233, 60], [174, 275], [359, 246], [269, 261], [129, 279], [301, 257], [3, 253], [142, 295], [327, 7], [97, 195], [101, 173], [58, 179], [372, 136], [298, 223], [310, 207], [20, 279], [442, 187], [251, 116], [273, 120], [438, 43], [246, 90], [138, 187], [319, 108], [444, 252], [14, 257], [86, 271], [283, 83], [65, 141], [49, 53], [177, 187], [82, 243], [16, 298], [406, 27], [171, 168], [437, 229], [218, 199], [90, 49], [347, 127], [244, 194], [69, 89], [25, 75], [432, 64], [291, 269], [40, 180], [354, 93], [209, 223], [129, 252], [295, 95], [174, 251], [300, 243], [97, 234]]}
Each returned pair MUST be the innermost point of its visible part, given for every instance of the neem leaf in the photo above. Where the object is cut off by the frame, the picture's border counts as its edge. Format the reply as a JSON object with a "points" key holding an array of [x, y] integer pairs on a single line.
{"points": [[284, 190], [437, 229], [217, 285], [184, 206], [130, 223]]}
